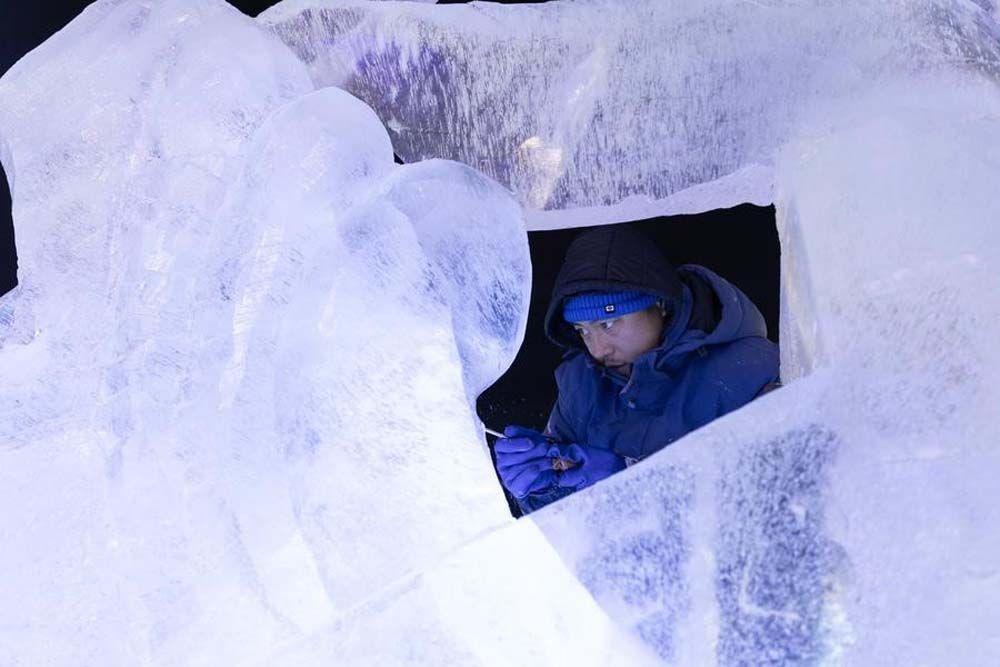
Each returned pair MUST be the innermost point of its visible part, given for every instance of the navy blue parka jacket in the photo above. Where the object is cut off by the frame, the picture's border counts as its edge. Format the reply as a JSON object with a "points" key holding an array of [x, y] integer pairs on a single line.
{"points": [[713, 357]]}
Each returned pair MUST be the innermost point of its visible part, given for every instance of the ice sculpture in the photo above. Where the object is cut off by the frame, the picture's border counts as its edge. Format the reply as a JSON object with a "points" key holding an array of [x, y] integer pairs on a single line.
{"points": [[239, 367], [872, 126], [235, 416], [578, 105]]}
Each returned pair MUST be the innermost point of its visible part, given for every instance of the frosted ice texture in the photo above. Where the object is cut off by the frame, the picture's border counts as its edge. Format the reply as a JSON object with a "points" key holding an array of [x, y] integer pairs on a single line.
{"points": [[238, 373], [235, 415], [847, 518], [583, 104]]}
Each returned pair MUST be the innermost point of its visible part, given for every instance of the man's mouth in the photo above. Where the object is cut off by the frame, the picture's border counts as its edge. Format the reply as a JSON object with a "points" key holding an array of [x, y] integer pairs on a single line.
{"points": [[617, 367]]}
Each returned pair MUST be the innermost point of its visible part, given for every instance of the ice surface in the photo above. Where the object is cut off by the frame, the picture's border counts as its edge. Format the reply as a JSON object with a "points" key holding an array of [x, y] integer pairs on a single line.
{"points": [[236, 420], [239, 370], [578, 105]]}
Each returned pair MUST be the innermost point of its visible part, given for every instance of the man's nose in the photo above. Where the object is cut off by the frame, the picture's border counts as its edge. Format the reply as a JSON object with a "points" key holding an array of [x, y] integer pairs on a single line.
{"points": [[601, 345]]}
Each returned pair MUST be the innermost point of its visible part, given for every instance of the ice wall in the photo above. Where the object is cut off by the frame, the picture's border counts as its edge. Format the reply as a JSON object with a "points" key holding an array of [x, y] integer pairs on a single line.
{"points": [[235, 408], [239, 370], [577, 105], [848, 518]]}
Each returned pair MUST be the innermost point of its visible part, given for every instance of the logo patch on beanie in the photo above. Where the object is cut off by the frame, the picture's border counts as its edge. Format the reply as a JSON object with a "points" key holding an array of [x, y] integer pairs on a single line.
{"points": [[588, 306]]}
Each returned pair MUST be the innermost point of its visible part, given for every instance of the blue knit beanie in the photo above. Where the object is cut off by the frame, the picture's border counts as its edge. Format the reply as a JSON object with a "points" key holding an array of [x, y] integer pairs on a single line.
{"points": [[605, 305]]}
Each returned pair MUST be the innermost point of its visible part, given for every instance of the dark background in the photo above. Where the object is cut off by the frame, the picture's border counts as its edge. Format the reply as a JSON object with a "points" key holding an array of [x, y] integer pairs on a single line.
{"points": [[741, 244]]}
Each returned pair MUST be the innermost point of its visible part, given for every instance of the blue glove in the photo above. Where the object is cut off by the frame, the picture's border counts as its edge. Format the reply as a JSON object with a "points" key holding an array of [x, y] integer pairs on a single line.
{"points": [[592, 465], [524, 460]]}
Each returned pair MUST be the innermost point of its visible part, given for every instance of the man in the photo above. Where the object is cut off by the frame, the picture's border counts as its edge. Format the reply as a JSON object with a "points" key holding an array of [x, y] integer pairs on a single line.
{"points": [[653, 353]]}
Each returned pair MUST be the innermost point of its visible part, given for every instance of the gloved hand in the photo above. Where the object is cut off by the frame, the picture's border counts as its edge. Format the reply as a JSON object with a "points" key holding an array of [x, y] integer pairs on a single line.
{"points": [[592, 465], [524, 460]]}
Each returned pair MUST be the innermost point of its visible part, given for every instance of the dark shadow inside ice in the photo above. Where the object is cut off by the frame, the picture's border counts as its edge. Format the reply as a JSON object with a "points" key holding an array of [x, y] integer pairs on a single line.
{"points": [[8, 254], [740, 244], [252, 7]]}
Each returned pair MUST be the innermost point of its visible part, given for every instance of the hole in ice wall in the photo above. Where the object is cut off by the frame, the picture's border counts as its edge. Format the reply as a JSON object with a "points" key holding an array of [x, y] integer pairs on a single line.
{"points": [[8, 254], [740, 244]]}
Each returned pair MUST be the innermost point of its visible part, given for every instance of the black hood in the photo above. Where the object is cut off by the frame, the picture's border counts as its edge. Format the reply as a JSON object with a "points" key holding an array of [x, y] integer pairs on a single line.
{"points": [[610, 258]]}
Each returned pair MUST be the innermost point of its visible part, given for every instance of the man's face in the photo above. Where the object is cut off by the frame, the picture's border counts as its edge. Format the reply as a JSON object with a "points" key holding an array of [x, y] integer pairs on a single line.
{"points": [[617, 342]]}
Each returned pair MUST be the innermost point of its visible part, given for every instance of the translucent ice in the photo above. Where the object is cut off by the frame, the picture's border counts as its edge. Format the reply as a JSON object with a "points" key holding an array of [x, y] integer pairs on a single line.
{"points": [[577, 105], [803, 528], [236, 419], [239, 367]]}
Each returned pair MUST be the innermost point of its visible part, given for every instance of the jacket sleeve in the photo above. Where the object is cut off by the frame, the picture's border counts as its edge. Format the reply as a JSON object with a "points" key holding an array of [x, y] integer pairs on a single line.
{"points": [[559, 427], [563, 418], [539, 499], [752, 368]]}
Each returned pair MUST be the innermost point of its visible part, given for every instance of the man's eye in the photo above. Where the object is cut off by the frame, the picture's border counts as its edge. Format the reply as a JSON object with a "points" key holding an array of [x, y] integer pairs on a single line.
{"points": [[607, 324]]}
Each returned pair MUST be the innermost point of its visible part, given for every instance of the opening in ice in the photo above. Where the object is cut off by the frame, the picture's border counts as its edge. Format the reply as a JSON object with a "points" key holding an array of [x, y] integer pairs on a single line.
{"points": [[739, 244], [8, 251]]}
